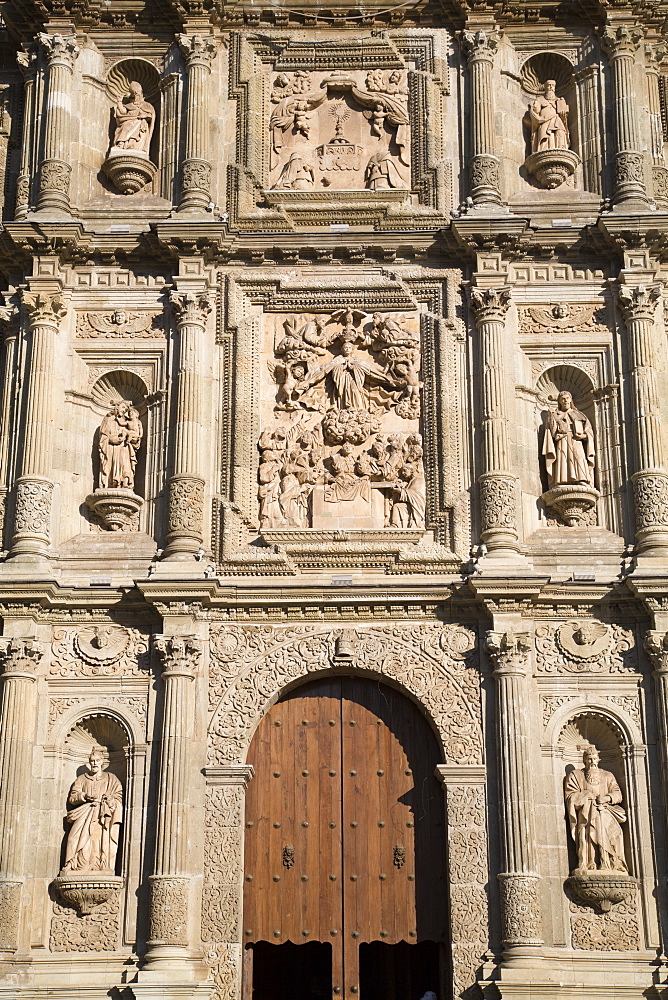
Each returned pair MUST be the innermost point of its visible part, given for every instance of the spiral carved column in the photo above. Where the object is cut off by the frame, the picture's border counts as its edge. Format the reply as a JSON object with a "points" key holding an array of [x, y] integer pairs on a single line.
{"points": [[650, 480], [55, 170], [20, 658]]}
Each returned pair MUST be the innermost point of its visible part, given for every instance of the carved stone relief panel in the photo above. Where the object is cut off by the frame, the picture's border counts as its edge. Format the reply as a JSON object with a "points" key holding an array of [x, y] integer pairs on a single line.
{"points": [[99, 650], [120, 323], [96, 931], [341, 445], [468, 869], [616, 930], [585, 646]]}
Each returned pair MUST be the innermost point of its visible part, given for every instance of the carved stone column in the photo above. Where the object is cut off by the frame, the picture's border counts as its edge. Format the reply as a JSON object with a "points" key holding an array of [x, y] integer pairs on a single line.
{"points": [[519, 880], [170, 913], [199, 51], [656, 647], [497, 485], [186, 487], [20, 658], [479, 48], [28, 62], [9, 324], [55, 170], [621, 43], [650, 480], [34, 488]]}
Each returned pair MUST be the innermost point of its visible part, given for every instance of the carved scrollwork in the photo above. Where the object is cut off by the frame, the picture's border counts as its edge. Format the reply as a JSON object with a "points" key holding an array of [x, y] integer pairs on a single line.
{"points": [[497, 503], [32, 513], [650, 494], [99, 651], [168, 915], [196, 175], [520, 909], [579, 647], [186, 504]]}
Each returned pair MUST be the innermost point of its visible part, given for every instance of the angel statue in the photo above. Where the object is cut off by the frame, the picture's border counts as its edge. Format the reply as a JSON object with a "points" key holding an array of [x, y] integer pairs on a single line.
{"points": [[135, 119]]}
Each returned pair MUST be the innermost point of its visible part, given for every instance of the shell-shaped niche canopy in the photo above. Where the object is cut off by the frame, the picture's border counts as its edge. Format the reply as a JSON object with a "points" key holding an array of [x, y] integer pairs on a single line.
{"points": [[590, 728], [546, 66], [564, 378], [123, 73], [112, 387], [98, 730]]}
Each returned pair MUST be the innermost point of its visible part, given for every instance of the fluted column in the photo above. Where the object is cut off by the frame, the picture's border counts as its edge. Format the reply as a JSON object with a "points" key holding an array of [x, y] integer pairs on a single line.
{"points": [[9, 324], [656, 647], [170, 912], [27, 60], [55, 170], [479, 48], [20, 658], [199, 51], [34, 488], [621, 44], [497, 485], [186, 487], [650, 480], [519, 880]]}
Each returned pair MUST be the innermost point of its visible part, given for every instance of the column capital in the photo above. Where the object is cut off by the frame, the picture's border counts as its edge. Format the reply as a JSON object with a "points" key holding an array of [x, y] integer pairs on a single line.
{"points": [[622, 40], [509, 651], [20, 656], [60, 49], [198, 49], [490, 303], [27, 60], [479, 45], [9, 320], [180, 654], [191, 307], [44, 308], [656, 647], [638, 302]]}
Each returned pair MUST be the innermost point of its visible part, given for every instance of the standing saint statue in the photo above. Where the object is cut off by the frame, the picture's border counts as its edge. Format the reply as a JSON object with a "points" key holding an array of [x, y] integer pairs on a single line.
{"points": [[135, 119], [120, 436], [95, 811], [568, 445], [593, 804], [549, 121]]}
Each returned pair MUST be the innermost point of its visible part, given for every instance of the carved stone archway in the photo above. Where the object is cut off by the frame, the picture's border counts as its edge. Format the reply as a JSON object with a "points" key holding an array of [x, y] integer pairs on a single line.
{"points": [[250, 667]]}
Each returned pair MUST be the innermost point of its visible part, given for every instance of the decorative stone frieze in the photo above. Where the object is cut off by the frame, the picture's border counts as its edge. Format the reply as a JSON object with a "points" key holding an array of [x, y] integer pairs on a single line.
{"points": [[585, 646]]}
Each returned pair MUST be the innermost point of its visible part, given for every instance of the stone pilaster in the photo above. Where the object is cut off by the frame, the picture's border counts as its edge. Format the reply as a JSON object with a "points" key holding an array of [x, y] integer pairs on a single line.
{"points": [[55, 169], [198, 51], [497, 484], [27, 60], [621, 42], [34, 488], [170, 914], [479, 48], [656, 647], [519, 881], [650, 480], [19, 658], [9, 324], [186, 488]]}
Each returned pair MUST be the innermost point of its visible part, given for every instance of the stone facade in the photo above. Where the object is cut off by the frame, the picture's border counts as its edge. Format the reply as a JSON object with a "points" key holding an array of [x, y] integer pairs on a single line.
{"points": [[321, 323]]}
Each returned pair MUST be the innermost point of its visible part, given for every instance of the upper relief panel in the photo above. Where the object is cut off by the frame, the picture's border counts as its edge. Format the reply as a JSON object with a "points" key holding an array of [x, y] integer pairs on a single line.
{"points": [[343, 132]]}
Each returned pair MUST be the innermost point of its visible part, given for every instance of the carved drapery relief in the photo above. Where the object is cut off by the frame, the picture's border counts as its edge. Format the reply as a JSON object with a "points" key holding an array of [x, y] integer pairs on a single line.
{"points": [[585, 647], [340, 130], [99, 651], [341, 445], [120, 323], [435, 663]]}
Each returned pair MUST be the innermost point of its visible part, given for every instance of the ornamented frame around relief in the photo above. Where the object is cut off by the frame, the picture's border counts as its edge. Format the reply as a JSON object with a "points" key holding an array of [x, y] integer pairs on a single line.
{"points": [[444, 361], [423, 54]]}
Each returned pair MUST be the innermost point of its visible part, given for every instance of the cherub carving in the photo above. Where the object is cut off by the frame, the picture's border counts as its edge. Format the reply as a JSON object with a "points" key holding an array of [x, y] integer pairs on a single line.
{"points": [[120, 323]]}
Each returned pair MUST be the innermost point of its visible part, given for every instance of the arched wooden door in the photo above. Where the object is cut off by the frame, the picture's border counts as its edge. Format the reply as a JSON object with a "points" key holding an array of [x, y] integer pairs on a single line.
{"points": [[344, 886]]}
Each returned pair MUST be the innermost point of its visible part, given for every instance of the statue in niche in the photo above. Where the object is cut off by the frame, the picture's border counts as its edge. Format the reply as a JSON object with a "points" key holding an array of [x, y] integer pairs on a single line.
{"points": [[568, 445], [549, 121], [120, 437], [135, 119], [95, 812], [595, 815]]}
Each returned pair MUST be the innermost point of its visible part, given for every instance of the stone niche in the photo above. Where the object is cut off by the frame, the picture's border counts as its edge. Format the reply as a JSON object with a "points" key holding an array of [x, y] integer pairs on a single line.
{"points": [[340, 446]]}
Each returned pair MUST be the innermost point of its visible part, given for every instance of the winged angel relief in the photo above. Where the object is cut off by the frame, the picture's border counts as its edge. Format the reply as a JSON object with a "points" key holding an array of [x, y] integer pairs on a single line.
{"points": [[340, 131], [343, 447]]}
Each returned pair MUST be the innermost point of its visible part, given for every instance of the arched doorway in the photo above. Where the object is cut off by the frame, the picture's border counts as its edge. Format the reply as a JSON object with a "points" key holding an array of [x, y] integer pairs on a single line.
{"points": [[344, 880]]}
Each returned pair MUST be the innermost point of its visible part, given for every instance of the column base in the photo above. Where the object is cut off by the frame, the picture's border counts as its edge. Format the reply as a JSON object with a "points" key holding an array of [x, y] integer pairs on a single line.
{"points": [[32, 520]]}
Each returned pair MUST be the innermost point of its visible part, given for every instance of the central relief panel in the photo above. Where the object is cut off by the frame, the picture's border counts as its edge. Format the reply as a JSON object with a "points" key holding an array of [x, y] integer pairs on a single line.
{"points": [[340, 131], [340, 446]]}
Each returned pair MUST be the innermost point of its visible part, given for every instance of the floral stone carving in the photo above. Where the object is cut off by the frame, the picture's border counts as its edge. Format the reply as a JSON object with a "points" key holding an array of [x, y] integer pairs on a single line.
{"points": [[114, 500], [341, 446], [128, 166], [95, 809], [551, 161]]}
